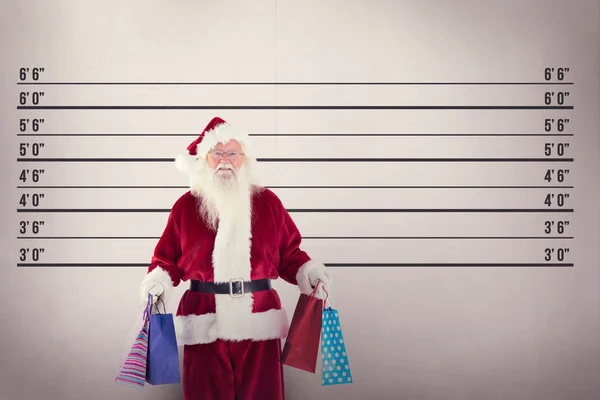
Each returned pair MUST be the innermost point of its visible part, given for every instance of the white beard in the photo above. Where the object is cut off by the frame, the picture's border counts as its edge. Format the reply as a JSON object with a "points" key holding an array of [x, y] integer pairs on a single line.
{"points": [[224, 194]]}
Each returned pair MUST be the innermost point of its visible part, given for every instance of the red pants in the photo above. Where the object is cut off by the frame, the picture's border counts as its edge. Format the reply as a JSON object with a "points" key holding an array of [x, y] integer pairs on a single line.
{"points": [[226, 370]]}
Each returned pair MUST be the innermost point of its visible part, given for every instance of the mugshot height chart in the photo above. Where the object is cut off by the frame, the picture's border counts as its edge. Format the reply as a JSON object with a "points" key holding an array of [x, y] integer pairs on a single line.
{"points": [[480, 198], [445, 154]]}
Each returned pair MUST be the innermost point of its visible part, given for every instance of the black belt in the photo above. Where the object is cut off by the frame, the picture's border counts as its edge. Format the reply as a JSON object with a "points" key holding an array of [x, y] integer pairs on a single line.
{"points": [[234, 288]]}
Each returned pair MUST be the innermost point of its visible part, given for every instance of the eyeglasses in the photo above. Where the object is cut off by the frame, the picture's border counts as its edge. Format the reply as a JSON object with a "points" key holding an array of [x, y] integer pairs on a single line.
{"points": [[229, 154]]}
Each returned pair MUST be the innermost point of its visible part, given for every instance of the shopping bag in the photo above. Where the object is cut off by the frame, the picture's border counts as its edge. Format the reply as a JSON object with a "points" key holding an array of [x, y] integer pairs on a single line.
{"points": [[334, 357], [163, 356], [132, 367], [301, 347]]}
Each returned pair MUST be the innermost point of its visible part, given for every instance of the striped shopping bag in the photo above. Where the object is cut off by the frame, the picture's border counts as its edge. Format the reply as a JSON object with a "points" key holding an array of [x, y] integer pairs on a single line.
{"points": [[132, 368]]}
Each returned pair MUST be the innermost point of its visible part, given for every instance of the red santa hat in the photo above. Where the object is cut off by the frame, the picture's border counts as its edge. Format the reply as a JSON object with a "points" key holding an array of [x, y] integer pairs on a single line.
{"points": [[216, 131]]}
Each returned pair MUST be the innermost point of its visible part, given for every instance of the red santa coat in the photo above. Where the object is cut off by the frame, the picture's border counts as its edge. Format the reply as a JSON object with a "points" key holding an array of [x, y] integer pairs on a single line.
{"points": [[261, 241]]}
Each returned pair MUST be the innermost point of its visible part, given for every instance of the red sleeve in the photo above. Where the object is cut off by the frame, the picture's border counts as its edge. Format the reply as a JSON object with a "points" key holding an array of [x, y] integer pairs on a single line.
{"points": [[163, 265], [291, 256], [168, 250]]}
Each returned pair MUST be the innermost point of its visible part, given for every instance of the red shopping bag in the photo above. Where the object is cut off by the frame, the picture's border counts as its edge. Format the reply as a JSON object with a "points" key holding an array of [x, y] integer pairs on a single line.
{"points": [[302, 344]]}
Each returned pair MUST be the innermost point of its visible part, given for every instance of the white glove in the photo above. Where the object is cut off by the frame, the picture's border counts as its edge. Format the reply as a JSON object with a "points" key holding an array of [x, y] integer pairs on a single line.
{"points": [[319, 274], [156, 289]]}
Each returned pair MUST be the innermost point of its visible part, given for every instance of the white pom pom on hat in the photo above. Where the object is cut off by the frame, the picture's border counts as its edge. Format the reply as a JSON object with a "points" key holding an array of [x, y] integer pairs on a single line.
{"points": [[215, 132]]}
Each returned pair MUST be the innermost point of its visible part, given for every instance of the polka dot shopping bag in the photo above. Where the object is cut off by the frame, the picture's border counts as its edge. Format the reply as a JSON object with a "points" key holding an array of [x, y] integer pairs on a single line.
{"points": [[334, 357]]}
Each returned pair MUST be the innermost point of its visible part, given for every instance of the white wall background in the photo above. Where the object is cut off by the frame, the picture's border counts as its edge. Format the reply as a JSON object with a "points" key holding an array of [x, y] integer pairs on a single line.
{"points": [[413, 331]]}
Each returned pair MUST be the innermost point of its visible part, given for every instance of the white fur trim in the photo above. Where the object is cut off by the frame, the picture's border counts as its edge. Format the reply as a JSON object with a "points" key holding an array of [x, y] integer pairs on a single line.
{"points": [[196, 329], [231, 260], [221, 133], [157, 276], [303, 275], [185, 163]]}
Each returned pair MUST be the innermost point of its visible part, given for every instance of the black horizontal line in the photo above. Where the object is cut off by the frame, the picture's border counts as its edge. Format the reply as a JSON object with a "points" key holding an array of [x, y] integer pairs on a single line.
{"points": [[375, 265], [391, 83], [312, 210], [417, 187], [318, 237], [346, 160], [307, 187], [89, 237], [410, 134], [302, 134], [371, 265], [348, 107]]}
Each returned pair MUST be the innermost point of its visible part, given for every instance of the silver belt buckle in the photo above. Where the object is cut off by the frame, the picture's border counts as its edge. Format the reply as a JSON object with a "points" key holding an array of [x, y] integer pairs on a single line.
{"points": [[239, 290]]}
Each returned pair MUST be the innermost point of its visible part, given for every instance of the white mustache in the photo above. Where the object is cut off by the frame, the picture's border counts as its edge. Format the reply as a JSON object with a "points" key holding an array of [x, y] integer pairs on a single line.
{"points": [[226, 167]]}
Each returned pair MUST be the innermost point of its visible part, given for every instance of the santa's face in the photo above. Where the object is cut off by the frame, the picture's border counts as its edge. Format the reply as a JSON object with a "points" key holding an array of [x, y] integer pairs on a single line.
{"points": [[225, 159]]}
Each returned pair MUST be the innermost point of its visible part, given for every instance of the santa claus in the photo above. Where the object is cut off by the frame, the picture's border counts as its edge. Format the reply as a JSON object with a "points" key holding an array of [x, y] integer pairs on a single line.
{"points": [[229, 237]]}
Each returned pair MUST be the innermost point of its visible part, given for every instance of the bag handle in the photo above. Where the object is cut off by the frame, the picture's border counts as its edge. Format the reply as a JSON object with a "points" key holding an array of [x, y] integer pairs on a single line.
{"points": [[148, 310], [315, 288], [164, 306], [327, 299]]}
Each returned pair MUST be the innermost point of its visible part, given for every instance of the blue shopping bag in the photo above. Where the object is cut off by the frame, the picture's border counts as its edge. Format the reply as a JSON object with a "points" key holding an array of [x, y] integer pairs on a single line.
{"points": [[334, 357], [163, 356]]}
